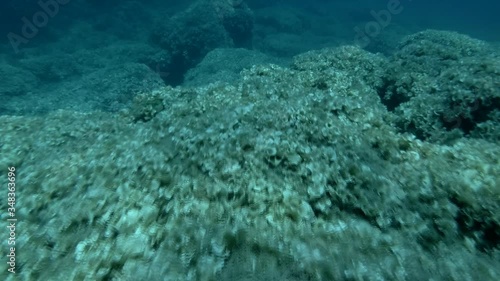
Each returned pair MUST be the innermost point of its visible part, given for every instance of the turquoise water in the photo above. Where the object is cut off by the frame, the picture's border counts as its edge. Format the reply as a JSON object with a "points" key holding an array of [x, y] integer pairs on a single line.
{"points": [[250, 140]]}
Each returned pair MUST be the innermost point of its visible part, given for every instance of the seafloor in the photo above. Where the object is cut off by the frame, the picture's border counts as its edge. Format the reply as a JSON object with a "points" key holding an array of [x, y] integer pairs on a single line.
{"points": [[342, 165]]}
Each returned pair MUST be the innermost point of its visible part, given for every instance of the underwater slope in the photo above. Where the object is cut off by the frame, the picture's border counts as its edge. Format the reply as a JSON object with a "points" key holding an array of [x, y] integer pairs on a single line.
{"points": [[297, 173]]}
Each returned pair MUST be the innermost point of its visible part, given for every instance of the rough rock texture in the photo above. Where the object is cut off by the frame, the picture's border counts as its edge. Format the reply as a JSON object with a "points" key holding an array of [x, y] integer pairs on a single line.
{"points": [[15, 81], [285, 174], [204, 26], [225, 65], [106, 78], [443, 85]]}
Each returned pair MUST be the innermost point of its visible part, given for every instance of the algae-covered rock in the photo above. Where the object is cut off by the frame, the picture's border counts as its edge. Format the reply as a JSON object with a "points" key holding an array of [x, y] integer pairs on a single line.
{"points": [[444, 85], [205, 25], [287, 173]]}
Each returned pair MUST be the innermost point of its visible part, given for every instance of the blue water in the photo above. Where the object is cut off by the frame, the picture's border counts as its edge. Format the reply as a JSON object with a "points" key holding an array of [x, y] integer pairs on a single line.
{"points": [[250, 140]]}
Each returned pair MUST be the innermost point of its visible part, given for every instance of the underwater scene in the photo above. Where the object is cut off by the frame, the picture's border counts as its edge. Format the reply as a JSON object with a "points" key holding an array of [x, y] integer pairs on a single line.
{"points": [[249, 140]]}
